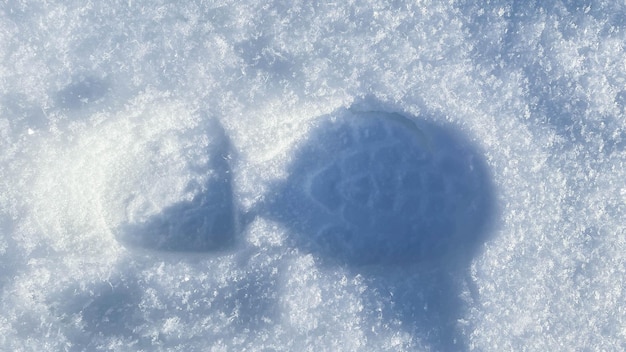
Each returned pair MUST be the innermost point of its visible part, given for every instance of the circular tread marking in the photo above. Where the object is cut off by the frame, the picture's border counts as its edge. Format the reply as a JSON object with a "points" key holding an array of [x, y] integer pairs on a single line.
{"points": [[376, 188]]}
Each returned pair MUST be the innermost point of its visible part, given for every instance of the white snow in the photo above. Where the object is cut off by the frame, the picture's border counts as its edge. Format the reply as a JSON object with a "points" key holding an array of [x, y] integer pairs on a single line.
{"points": [[145, 147]]}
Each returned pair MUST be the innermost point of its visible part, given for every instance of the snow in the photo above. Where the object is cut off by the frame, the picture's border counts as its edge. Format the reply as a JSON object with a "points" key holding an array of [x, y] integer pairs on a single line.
{"points": [[166, 176]]}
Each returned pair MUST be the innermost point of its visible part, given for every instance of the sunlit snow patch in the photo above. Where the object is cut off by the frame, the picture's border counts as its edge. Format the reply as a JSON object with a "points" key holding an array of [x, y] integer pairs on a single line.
{"points": [[118, 170]]}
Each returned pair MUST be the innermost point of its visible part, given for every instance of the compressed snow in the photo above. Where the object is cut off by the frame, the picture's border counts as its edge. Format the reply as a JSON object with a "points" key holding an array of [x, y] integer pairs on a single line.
{"points": [[172, 176]]}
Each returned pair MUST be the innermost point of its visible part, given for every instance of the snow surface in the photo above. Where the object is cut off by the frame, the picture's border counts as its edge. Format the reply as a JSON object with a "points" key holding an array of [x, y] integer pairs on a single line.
{"points": [[167, 178]]}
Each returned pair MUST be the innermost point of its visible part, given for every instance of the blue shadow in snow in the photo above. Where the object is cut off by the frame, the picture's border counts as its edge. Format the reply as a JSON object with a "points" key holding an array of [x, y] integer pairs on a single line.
{"points": [[120, 310], [378, 193], [105, 310], [205, 223], [82, 91], [24, 113]]}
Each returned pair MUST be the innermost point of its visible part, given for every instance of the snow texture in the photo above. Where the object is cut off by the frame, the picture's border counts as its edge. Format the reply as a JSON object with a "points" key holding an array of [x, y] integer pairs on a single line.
{"points": [[312, 176]]}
